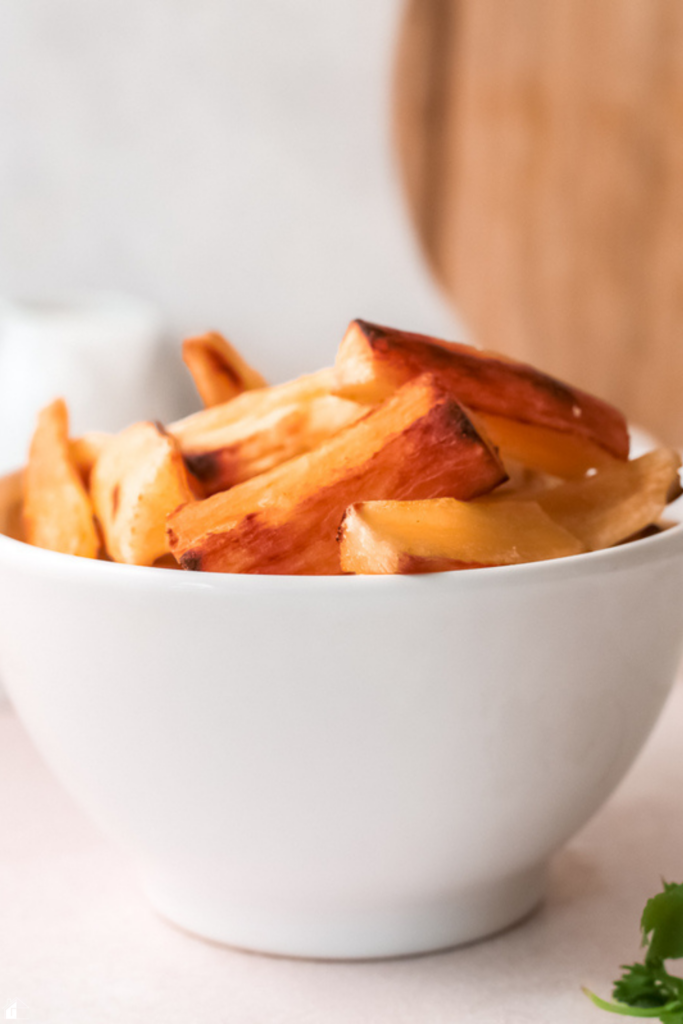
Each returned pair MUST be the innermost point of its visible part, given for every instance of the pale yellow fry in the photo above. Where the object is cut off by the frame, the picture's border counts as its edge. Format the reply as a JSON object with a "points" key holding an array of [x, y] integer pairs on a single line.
{"points": [[138, 478], [379, 537], [192, 430], [618, 502]]}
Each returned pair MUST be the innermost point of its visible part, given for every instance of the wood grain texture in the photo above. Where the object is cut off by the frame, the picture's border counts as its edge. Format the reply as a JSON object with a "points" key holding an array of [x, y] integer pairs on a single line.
{"points": [[542, 152]]}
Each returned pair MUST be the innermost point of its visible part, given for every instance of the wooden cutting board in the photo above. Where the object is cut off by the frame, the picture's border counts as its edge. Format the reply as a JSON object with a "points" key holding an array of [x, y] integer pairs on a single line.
{"points": [[541, 145]]}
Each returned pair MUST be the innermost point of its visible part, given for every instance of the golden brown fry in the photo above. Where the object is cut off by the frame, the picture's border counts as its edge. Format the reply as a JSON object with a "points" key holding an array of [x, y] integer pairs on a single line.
{"points": [[418, 444], [137, 480], [11, 505], [430, 536], [58, 513], [229, 455], [218, 370], [618, 501], [373, 361], [192, 431]]}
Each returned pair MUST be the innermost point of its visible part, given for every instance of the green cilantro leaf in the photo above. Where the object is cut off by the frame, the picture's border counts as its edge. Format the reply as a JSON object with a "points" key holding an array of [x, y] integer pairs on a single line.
{"points": [[639, 987], [662, 924], [647, 989]]}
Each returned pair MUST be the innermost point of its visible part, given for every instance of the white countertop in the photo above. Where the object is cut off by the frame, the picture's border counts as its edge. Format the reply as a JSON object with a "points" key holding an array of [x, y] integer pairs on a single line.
{"points": [[78, 945]]}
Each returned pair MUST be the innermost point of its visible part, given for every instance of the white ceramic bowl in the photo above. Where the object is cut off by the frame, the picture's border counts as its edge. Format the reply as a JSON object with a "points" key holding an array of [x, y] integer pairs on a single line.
{"points": [[342, 767]]}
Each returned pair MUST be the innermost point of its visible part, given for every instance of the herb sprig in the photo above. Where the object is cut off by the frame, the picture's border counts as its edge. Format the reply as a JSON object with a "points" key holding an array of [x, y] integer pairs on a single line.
{"points": [[647, 989]]}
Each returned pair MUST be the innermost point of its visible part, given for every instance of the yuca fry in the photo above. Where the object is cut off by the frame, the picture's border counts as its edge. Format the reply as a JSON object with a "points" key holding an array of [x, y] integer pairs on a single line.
{"points": [[84, 451], [568, 456], [296, 455], [418, 444], [618, 501], [373, 361], [218, 370], [239, 451], [57, 511], [11, 505], [192, 431], [137, 480], [426, 536]]}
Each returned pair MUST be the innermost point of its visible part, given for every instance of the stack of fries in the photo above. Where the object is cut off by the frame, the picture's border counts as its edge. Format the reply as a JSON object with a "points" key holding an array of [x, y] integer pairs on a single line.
{"points": [[410, 455]]}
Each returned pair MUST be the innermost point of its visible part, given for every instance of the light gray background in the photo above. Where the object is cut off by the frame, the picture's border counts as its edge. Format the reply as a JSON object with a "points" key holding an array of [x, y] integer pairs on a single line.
{"points": [[227, 159]]}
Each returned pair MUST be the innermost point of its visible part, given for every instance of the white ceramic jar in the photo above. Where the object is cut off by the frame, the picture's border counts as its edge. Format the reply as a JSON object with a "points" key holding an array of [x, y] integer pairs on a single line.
{"points": [[104, 352]]}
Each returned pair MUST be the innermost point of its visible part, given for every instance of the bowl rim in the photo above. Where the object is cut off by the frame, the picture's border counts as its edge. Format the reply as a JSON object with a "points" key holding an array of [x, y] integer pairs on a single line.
{"points": [[647, 550]]}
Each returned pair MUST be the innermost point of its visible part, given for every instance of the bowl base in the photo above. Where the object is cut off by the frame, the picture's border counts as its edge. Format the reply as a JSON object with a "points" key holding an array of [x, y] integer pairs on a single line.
{"points": [[350, 934]]}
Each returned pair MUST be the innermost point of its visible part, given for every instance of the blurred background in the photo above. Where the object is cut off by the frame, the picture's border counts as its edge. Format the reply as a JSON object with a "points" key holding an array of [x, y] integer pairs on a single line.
{"points": [[504, 171], [542, 153]]}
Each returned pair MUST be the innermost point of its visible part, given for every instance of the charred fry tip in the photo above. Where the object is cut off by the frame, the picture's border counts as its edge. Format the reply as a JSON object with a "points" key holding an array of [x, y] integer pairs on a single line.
{"points": [[204, 465], [372, 330], [460, 419], [340, 528], [191, 560]]}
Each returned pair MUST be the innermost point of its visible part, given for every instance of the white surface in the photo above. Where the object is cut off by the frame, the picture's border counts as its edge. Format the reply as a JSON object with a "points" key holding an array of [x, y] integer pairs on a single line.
{"points": [[228, 159], [342, 766], [78, 943]]}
